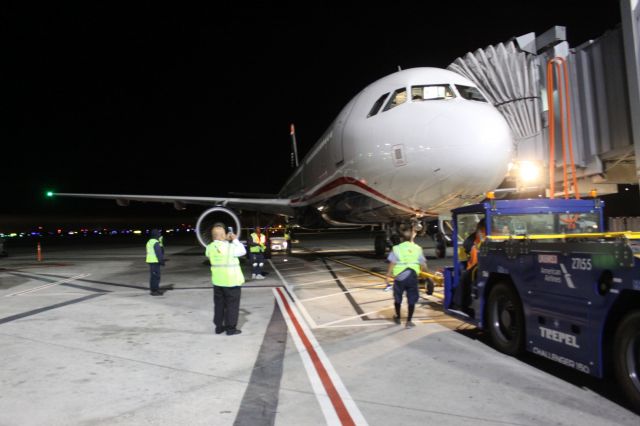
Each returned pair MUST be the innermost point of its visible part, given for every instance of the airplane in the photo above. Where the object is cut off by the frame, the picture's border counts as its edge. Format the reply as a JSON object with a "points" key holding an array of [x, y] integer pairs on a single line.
{"points": [[404, 151]]}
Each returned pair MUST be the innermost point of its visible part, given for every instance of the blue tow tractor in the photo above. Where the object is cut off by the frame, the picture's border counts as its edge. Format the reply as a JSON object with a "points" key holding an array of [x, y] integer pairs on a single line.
{"points": [[550, 281]]}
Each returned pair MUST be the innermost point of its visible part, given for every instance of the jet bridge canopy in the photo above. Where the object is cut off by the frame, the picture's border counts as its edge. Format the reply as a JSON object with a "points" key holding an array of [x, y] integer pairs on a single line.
{"points": [[604, 96]]}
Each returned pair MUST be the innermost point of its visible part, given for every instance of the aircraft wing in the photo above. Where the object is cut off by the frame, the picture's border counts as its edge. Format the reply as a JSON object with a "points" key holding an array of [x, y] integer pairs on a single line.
{"points": [[279, 206]]}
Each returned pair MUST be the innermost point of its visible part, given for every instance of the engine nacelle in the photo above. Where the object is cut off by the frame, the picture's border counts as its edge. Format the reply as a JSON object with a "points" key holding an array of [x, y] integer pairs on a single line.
{"points": [[211, 216]]}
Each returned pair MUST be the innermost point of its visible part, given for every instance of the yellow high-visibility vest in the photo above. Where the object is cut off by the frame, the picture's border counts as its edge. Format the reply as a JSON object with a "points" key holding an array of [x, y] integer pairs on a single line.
{"points": [[225, 267], [151, 252], [260, 241], [408, 255]]}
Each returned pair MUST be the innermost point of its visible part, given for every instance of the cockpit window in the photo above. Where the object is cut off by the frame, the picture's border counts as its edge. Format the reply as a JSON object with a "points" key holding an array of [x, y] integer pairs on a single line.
{"points": [[470, 93], [398, 97], [376, 107], [431, 92]]}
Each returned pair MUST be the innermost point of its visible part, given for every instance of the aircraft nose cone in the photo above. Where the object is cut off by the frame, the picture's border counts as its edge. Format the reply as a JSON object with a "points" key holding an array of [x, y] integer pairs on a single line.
{"points": [[485, 144]]}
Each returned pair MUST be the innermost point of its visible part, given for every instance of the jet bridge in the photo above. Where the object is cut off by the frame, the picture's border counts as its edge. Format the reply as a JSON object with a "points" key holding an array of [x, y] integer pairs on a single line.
{"points": [[603, 97]]}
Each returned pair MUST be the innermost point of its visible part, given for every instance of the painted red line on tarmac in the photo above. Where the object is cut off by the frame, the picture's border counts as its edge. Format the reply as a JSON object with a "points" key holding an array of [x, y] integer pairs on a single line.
{"points": [[336, 400]]}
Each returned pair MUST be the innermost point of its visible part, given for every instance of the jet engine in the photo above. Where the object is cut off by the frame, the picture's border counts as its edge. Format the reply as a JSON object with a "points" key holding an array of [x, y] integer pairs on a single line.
{"points": [[217, 214]]}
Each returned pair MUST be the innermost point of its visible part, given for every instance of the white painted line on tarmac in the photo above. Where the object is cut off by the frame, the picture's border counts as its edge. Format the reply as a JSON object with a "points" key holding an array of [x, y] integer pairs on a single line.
{"points": [[379, 284], [321, 281], [301, 307], [326, 271], [353, 317], [336, 403], [437, 321], [386, 322], [382, 322], [299, 267], [332, 294], [42, 287]]}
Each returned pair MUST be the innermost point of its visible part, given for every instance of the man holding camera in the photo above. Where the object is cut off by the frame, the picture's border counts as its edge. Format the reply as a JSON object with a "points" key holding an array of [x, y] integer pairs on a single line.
{"points": [[227, 278]]}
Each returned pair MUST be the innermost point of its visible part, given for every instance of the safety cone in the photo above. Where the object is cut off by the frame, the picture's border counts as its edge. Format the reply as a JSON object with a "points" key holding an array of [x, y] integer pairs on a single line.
{"points": [[39, 253]]}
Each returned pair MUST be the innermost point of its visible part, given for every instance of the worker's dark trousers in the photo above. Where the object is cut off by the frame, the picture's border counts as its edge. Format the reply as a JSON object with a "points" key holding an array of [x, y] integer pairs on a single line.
{"points": [[257, 261], [410, 285], [226, 304], [154, 276]]}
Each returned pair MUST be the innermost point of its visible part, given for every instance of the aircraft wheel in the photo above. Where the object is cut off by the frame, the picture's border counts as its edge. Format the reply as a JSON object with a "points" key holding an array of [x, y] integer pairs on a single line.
{"points": [[380, 245], [505, 319], [626, 356]]}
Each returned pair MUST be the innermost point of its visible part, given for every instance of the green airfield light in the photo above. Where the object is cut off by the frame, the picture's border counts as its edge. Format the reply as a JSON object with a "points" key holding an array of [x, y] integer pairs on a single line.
{"points": [[49, 194]]}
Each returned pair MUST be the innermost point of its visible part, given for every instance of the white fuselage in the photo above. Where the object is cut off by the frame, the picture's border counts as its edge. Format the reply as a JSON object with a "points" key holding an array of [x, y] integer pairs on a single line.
{"points": [[418, 158]]}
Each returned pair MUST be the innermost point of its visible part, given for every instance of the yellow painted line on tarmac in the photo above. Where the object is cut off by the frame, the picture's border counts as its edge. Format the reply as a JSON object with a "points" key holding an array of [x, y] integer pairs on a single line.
{"points": [[368, 271]]}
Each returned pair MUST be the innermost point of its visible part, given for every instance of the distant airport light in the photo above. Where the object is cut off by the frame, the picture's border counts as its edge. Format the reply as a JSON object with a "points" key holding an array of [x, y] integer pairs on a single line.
{"points": [[49, 194], [529, 171], [137, 231]]}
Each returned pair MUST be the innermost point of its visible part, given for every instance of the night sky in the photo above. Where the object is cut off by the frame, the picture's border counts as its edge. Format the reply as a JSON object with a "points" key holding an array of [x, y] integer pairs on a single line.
{"points": [[152, 99]]}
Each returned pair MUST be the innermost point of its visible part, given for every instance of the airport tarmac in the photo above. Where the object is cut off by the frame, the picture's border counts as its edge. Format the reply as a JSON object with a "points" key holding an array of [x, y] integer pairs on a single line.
{"points": [[84, 343]]}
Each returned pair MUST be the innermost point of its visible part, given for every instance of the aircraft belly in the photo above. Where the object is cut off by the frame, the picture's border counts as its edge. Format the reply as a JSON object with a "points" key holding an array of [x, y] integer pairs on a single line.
{"points": [[354, 207]]}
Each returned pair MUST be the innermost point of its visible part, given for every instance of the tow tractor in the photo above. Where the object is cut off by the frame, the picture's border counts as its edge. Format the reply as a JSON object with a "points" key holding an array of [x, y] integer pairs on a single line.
{"points": [[551, 282]]}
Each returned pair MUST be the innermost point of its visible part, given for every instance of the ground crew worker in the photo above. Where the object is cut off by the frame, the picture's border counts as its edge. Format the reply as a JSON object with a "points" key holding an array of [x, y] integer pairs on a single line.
{"points": [[257, 248], [287, 238], [227, 278], [472, 243], [155, 259], [478, 239], [406, 260], [570, 221]]}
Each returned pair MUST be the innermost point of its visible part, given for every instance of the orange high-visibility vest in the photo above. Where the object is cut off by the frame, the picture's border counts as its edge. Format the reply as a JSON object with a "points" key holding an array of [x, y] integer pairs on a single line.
{"points": [[473, 255]]}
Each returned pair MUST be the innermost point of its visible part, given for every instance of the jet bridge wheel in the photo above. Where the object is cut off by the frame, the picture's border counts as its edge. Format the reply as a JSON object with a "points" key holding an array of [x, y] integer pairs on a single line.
{"points": [[626, 356], [505, 319]]}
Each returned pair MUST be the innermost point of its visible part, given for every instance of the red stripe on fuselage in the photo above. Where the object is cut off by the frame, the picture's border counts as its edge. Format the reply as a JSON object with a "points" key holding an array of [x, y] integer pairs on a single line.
{"points": [[351, 181]]}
